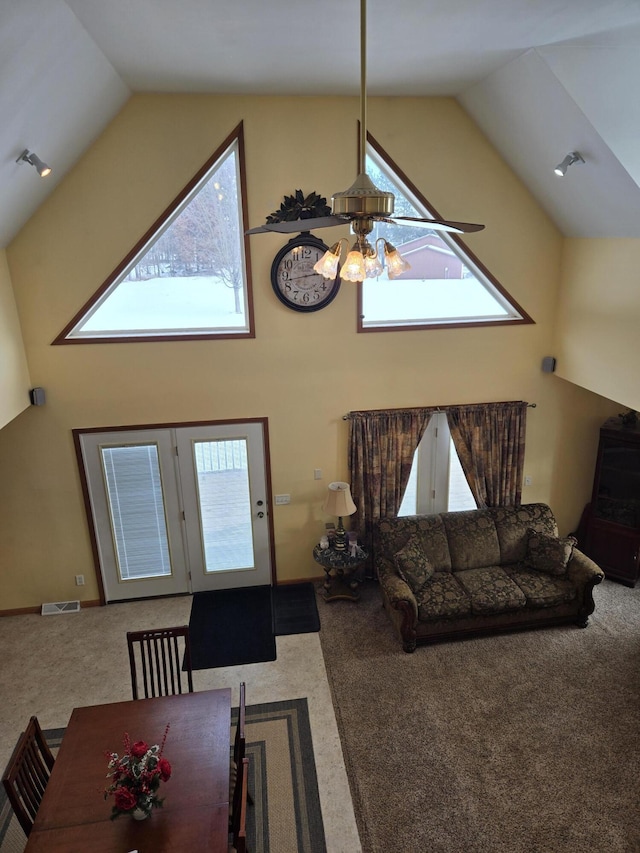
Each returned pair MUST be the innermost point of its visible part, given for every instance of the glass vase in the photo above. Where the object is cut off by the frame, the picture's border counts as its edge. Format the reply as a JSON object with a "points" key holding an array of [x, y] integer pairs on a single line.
{"points": [[140, 814]]}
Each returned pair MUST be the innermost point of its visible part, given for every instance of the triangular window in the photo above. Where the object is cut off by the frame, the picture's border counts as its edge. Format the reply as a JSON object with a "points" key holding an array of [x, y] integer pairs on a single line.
{"points": [[446, 285], [188, 277]]}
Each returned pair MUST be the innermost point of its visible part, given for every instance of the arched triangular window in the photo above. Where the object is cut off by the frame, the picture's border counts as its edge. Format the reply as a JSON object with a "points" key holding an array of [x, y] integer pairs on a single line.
{"points": [[189, 276], [446, 285]]}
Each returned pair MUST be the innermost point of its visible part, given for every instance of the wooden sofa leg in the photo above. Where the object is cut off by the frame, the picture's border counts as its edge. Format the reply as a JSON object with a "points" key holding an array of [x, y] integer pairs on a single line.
{"points": [[409, 645]]}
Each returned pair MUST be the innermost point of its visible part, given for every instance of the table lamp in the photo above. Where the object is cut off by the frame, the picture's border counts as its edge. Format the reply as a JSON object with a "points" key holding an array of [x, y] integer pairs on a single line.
{"points": [[339, 503]]}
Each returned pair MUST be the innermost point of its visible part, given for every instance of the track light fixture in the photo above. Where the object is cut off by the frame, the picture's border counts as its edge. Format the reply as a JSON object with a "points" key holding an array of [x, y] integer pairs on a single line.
{"points": [[33, 159], [571, 158]]}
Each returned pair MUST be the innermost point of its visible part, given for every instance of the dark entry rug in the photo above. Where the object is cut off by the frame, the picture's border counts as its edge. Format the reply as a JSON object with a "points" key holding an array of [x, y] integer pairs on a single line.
{"points": [[295, 610], [237, 626], [231, 626], [285, 816]]}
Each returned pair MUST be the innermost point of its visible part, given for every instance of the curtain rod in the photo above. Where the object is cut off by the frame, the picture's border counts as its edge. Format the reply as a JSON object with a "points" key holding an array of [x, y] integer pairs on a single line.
{"points": [[347, 417]]}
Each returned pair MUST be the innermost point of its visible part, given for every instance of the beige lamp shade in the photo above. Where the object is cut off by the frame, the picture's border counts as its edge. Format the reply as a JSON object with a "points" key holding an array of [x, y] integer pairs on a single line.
{"points": [[339, 501]]}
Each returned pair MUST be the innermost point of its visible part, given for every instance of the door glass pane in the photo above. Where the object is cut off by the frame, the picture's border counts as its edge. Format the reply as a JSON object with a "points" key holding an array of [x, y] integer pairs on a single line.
{"points": [[225, 504], [136, 511]]}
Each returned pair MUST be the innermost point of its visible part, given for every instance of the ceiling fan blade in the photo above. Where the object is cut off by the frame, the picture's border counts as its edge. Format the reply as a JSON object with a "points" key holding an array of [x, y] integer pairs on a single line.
{"points": [[295, 225], [438, 224]]}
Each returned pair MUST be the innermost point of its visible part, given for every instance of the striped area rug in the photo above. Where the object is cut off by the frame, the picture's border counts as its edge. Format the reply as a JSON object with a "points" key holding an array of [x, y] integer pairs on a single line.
{"points": [[285, 816]]}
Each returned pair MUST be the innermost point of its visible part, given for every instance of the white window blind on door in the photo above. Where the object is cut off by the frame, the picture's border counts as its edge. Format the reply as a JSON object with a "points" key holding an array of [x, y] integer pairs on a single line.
{"points": [[136, 510]]}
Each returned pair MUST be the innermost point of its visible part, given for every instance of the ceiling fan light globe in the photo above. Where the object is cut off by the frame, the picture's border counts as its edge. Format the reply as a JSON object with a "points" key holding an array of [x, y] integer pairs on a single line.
{"points": [[373, 265], [327, 266], [353, 268], [396, 264]]}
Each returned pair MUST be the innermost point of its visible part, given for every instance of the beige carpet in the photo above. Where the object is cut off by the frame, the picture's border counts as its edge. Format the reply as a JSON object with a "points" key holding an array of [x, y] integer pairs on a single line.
{"points": [[285, 816], [521, 743]]}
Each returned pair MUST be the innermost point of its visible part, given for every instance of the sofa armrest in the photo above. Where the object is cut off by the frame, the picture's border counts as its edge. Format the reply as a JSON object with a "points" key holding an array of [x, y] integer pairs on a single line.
{"points": [[399, 602], [582, 570], [397, 592], [585, 574]]}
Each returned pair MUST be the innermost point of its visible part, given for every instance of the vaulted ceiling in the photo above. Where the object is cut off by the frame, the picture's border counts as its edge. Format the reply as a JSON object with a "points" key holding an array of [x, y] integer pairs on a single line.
{"points": [[540, 77]]}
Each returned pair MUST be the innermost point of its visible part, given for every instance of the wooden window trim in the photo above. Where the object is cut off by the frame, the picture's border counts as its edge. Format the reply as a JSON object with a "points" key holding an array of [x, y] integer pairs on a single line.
{"points": [[236, 135]]}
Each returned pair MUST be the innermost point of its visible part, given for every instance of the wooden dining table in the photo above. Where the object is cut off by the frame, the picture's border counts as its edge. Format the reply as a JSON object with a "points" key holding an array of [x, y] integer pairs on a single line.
{"points": [[74, 816]]}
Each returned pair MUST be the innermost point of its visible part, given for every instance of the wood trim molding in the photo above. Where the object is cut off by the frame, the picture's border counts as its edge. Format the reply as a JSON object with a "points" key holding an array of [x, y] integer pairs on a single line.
{"points": [[237, 134], [77, 433], [465, 250]]}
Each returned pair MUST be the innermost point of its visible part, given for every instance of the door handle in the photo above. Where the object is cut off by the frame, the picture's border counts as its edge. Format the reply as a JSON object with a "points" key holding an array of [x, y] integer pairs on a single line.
{"points": [[260, 515]]}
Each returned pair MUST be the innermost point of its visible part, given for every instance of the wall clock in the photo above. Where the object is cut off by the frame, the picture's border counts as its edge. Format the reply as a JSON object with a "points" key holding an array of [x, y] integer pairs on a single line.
{"points": [[293, 279]]}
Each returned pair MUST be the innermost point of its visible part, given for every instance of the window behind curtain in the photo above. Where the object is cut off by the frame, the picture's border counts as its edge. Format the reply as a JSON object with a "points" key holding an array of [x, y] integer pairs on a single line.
{"points": [[437, 482]]}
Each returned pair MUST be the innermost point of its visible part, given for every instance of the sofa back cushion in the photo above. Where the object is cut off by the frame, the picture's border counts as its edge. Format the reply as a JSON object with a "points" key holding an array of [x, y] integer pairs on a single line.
{"points": [[513, 524], [473, 539], [390, 535]]}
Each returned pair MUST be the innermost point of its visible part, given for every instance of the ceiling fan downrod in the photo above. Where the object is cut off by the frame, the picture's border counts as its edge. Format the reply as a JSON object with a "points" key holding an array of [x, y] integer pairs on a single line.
{"points": [[363, 198]]}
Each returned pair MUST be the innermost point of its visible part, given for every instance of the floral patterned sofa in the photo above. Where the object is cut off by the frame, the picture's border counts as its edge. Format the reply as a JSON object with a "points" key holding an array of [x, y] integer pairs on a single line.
{"points": [[457, 574]]}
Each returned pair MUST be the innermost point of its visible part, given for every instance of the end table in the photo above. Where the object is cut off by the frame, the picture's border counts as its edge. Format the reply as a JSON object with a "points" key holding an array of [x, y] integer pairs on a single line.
{"points": [[339, 567]]}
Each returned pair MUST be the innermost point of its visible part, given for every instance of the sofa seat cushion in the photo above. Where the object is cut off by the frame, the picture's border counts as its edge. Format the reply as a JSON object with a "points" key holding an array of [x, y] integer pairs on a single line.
{"points": [[442, 597], [542, 590], [491, 590]]}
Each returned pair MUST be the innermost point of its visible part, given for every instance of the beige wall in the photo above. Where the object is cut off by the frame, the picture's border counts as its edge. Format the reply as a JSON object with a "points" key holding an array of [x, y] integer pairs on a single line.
{"points": [[598, 344], [302, 372], [14, 371]]}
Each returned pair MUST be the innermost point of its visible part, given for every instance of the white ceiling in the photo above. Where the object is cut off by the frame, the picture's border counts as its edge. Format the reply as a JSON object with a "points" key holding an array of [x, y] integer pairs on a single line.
{"points": [[540, 77]]}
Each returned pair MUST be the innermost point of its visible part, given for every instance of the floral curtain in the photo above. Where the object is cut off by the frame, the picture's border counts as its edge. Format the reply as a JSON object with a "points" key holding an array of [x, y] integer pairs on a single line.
{"points": [[381, 448], [489, 439]]}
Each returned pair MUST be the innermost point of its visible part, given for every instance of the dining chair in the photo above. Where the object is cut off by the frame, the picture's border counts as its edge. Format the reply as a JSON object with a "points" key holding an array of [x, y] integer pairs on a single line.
{"points": [[239, 741], [162, 657], [241, 800], [27, 773]]}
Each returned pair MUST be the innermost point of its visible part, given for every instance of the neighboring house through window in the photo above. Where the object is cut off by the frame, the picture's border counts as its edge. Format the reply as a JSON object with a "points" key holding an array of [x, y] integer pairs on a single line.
{"points": [[446, 285]]}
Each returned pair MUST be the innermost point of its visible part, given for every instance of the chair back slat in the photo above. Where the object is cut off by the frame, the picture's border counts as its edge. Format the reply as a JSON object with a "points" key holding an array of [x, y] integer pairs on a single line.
{"points": [[239, 742], [27, 774], [239, 807], [159, 655]]}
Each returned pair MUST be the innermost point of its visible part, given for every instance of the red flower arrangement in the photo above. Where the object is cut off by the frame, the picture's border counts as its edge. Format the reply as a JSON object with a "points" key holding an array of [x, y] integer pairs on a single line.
{"points": [[136, 776]]}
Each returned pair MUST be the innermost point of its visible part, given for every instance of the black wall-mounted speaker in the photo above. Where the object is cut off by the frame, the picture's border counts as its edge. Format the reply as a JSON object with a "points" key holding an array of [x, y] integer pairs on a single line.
{"points": [[37, 396], [548, 364]]}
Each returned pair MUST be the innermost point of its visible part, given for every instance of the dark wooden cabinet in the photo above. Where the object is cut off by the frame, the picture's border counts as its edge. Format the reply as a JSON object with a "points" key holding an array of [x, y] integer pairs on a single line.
{"points": [[612, 529]]}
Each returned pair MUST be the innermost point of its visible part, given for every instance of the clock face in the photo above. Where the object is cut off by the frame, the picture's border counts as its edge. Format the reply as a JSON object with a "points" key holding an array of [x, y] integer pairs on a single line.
{"points": [[293, 279]]}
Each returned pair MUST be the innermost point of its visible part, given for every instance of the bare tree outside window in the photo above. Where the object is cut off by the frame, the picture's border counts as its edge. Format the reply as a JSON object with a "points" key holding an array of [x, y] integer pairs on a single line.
{"points": [[204, 240], [190, 278]]}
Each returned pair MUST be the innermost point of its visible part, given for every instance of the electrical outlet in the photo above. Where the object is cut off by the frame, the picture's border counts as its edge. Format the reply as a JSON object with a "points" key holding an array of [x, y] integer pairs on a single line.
{"points": [[528, 481], [283, 499], [79, 580], [317, 473]]}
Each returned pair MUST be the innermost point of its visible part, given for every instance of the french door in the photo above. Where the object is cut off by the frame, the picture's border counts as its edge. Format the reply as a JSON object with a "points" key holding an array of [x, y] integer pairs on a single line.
{"points": [[176, 510]]}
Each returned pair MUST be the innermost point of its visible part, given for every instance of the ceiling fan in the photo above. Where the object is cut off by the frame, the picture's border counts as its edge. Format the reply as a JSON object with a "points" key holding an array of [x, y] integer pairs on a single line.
{"points": [[362, 205]]}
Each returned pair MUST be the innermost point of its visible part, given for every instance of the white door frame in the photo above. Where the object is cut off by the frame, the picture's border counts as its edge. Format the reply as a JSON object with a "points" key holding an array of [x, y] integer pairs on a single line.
{"points": [[143, 431]]}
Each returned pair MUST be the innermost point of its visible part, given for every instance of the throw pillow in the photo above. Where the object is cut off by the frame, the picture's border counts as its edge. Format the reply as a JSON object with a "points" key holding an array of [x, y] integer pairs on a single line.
{"points": [[549, 554], [412, 565]]}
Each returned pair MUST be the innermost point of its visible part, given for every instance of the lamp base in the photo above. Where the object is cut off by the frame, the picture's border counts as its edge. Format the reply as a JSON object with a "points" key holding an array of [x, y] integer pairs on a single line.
{"points": [[340, 542]]}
